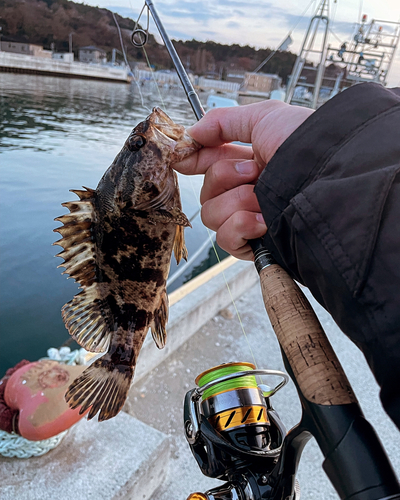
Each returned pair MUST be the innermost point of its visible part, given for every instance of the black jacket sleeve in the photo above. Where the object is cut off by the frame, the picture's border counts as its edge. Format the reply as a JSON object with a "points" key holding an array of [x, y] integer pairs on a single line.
{"points": [[330, 197]]}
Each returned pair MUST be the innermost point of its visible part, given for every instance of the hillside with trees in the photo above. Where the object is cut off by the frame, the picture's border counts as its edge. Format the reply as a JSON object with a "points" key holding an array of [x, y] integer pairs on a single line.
{"points": [[50, 23]]}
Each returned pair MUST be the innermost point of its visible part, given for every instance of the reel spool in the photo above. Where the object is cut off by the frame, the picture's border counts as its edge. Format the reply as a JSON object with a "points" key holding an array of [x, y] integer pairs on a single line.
{"points": [[235, 407]]}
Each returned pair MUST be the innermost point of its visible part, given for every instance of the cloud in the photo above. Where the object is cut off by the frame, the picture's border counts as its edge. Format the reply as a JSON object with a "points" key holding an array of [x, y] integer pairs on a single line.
{"points": [[233, 25]]}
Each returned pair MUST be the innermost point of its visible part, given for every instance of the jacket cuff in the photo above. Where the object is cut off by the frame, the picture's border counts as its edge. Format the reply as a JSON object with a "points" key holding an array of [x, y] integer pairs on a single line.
{"points": [[303, 155]]}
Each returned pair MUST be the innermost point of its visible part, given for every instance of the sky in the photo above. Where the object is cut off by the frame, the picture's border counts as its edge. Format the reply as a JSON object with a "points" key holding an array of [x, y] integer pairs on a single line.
{"points": [[261, 24]]}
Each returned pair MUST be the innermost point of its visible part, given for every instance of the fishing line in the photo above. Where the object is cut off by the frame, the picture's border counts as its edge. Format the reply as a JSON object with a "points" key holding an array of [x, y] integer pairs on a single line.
{"points": [[301, 16], [226, 281], [211, 240], [208, 231], [154, 80], [127, 62], [139, 39], [335, 35]]}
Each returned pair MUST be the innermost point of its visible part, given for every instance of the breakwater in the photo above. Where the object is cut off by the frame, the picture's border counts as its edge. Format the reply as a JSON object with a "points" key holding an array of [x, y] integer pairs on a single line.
{"points": [[18, 63]]}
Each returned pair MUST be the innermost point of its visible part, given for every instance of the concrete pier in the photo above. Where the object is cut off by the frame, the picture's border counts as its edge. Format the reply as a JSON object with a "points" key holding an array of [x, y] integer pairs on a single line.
{"points": [[18, 63], [142, 453]]}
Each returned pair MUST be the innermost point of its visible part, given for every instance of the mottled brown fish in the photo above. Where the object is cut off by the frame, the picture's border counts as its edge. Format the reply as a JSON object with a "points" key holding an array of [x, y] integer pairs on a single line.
{"points": [[117, 242]]}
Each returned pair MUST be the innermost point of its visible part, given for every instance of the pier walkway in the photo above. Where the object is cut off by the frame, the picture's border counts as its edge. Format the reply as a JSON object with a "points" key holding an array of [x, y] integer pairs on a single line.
{"points": [[142, 454]]}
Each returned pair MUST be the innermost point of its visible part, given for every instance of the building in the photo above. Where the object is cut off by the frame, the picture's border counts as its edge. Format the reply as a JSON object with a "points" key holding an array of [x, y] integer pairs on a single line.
{"points": [[27, 49], [91, 54], [261, 82], [64, 56], [234, 75]]}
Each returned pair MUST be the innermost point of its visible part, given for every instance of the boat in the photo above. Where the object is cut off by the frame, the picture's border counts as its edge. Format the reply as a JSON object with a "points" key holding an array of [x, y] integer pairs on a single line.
{"points": [[321, 71]]}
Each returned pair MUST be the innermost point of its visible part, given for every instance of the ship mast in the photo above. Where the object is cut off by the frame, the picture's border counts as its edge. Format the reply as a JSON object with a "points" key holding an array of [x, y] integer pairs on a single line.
{"points": [[314, 48], [366, 58]]}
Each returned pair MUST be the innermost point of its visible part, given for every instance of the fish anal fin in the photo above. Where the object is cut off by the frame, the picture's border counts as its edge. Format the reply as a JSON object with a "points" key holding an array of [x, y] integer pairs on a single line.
{"points": [[103, 387], [180, 250], [158, 327], [85, 318]]}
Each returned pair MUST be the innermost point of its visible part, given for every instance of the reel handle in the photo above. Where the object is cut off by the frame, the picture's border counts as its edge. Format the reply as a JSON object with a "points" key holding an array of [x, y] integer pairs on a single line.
{"points": [[318, 372]]}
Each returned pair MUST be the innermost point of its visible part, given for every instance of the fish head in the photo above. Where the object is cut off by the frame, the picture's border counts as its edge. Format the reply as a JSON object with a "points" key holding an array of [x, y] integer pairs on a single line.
{"points": [[161, 132], [142, 170]]}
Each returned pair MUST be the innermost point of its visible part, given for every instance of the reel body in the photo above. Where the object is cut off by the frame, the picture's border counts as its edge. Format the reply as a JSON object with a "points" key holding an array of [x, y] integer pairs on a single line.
{"points": [[233, 431]]}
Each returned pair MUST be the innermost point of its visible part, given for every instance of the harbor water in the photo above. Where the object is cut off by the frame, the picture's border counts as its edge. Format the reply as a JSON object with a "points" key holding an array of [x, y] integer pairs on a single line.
{"points": [[58, 134]]}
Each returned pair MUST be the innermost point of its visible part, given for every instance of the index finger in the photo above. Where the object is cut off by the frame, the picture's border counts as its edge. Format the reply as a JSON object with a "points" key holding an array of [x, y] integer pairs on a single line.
{"points": [[201, 161], [222, 125]]}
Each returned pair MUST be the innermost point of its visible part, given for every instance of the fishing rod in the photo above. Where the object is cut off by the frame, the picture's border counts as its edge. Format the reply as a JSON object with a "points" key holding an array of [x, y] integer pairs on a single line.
{"points": [[230, 425], [138, 41]]}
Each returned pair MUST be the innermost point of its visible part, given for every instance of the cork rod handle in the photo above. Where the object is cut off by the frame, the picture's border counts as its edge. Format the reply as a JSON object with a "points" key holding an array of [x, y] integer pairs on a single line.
{"points": [[316, 368]]}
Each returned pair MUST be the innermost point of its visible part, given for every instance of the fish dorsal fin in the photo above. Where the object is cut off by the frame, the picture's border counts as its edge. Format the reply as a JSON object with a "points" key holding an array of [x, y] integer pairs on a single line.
{"points": [[160, 321], [84, 316], [180, 250], [162, 200]]}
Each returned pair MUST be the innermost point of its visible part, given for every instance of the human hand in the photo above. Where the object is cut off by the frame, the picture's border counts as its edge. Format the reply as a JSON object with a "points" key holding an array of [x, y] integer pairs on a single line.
{"points": [[229, 205]]}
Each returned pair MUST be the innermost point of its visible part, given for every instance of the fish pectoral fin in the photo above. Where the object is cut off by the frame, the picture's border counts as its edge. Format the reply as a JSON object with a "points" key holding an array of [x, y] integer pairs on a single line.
{"points": [[162, 199], [103, 386], [158, 330], [180, 250]]}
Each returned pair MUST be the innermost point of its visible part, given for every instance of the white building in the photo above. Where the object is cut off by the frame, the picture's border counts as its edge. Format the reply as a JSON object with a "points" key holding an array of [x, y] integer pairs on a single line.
{"points": [[63, 56], [91, 54]]}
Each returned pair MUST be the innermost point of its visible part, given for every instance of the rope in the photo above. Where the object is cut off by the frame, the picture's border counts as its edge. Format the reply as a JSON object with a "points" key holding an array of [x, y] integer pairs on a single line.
{"points": [[15, 446], [66, 356]]}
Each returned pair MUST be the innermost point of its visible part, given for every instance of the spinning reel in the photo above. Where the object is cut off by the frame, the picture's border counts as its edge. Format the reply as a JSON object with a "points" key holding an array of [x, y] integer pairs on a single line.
{"points": [[233, 431]]}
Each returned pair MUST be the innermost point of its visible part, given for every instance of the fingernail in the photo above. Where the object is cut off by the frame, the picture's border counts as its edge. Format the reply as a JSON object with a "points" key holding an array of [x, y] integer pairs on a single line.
{"points": [[260, 219], [245, 167]]}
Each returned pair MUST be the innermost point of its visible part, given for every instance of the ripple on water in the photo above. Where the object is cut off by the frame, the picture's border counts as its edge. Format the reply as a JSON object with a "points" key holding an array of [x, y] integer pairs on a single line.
{"points": [[58, 134]]}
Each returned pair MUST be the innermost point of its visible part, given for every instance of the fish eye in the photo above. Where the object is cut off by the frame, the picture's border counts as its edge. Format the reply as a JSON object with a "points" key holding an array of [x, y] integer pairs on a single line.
{"points": [[135, 142]]}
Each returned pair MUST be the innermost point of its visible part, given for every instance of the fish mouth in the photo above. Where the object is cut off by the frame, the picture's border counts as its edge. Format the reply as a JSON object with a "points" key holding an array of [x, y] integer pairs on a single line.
{"points": [[172, 135]]}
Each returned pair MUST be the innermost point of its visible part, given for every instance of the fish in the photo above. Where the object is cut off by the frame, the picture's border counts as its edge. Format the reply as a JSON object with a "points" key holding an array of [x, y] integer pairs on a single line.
{"points": [[117, 244]]}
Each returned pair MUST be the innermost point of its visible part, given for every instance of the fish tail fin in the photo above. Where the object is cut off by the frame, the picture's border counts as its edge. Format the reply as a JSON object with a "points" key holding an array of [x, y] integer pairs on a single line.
{"points": [[103, 386]]}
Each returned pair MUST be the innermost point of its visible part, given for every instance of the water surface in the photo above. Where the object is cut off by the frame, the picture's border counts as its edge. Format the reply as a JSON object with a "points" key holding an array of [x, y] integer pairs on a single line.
{"points": [[58, 134]]}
